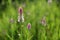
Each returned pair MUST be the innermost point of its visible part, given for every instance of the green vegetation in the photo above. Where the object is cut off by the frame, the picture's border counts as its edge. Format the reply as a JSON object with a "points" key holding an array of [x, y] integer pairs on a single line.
{"points": [[41, 20]]}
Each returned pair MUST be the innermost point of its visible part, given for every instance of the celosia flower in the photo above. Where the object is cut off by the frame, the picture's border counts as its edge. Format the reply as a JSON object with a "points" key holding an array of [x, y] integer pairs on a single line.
{"points": [[29, 26]]}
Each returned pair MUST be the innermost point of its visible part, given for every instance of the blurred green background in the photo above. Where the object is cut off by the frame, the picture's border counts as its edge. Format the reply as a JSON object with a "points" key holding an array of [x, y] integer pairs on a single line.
{"points": [[33, 11]]}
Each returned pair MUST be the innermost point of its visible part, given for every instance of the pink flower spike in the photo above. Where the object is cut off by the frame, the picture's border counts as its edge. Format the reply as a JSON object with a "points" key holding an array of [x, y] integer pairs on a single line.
{"points": [[29, 26], [20, 10]]}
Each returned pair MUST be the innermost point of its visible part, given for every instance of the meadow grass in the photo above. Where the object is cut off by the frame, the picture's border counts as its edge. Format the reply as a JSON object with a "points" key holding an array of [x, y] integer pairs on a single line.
{"points": [[33, 13]]}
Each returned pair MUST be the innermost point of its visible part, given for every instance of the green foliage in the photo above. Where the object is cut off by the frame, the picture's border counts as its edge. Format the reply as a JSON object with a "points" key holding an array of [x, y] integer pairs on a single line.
{"points": [[33, 13]]}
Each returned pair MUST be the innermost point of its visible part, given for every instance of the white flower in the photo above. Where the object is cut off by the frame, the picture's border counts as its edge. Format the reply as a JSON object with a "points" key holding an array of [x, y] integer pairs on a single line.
{"points": [[20, 18]]}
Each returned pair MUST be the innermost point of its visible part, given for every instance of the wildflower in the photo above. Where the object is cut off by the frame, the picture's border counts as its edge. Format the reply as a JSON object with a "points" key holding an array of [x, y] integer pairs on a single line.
{"points": [[20, 10], [43, 21], [29, 26], [20, 16]]}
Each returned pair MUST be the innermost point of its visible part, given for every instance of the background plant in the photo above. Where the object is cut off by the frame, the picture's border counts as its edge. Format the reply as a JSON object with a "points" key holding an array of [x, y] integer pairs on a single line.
{"points": [[36, 13]]}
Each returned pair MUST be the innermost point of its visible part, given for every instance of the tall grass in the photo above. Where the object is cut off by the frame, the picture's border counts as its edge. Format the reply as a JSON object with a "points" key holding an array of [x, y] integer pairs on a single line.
{"points": [[33, 13]]}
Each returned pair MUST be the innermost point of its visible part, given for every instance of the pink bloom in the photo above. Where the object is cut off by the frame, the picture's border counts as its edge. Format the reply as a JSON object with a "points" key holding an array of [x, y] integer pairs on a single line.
{"points": [[29, 26], [20, 10], [20, 15]]}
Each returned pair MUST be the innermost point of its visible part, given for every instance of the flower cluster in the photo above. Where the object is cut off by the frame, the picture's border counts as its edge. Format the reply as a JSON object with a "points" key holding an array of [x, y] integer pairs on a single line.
{"points": [[21, 19]]}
